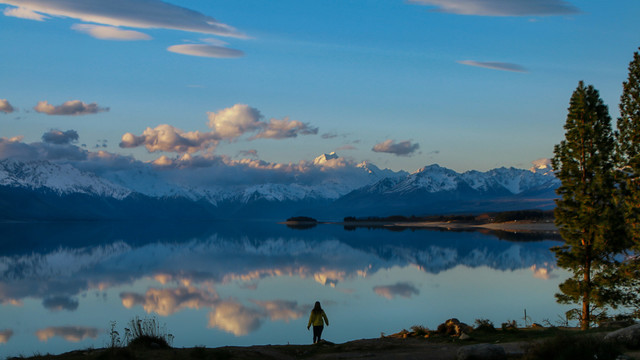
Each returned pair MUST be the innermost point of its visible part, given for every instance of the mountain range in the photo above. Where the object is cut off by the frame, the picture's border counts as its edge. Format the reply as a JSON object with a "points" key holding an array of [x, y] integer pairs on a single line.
{"points": [[327, 189]]}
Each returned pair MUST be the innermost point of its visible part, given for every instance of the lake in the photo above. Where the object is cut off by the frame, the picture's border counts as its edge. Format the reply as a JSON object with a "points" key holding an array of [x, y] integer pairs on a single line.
{"points": [[246, 283]]}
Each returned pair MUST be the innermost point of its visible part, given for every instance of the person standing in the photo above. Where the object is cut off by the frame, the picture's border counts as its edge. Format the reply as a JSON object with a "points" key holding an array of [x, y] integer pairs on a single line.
{"points": [[317, 318]]}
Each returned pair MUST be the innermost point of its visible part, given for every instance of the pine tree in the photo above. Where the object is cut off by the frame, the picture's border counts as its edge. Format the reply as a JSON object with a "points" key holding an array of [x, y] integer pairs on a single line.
{"points": [[628, 151], [628, 175], [585, 212]]}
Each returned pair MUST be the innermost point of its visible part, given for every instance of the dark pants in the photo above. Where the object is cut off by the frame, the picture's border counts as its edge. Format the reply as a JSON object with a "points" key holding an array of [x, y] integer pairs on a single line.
{"points": [[317, 333]]}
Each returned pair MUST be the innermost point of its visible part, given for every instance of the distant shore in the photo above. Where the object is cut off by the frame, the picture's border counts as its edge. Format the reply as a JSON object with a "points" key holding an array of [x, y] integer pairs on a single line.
{"points": [[515, 226], [508, 226], [512, 226]]}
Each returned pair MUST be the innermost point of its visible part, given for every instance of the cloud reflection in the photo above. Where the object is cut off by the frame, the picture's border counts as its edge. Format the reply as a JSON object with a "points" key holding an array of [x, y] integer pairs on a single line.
{"points": [[281, 309], [5, 335], [69, 333], [543, 271], [235, 318], [58, 303], [403, 289], [165, 302]]}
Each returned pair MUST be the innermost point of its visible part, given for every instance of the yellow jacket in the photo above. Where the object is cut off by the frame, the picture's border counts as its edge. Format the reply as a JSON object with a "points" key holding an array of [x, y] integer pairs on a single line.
{"points": [[315, 319]]}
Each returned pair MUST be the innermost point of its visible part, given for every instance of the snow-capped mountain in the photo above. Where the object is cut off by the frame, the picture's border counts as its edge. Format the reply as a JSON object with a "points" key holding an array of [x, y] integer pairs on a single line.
{"points": [[435, 189], [437, 179], [58, 178], [328, 188]]}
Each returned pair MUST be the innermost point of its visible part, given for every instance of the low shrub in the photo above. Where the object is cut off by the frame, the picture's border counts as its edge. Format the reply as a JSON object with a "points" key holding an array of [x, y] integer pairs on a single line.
{"points": [[510, 325], [147, 333], [419, 330], [485, 325], [141, 333]]}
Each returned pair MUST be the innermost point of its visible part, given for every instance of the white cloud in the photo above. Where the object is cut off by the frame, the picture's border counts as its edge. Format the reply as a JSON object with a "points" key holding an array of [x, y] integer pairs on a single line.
{"points": [[501, 7], [235, 318], [495, 65], [24, 13], [110, 33], [204, 50], [168, 138], [285, 128], [399, 289], [144, 14], [69, 333], [403, 148], [6, 107], [226, 124], [73, 107], [233, 122]]}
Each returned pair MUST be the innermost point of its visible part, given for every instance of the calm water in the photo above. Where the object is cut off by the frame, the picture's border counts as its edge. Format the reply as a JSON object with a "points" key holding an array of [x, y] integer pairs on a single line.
{"points": [[61, 285]]}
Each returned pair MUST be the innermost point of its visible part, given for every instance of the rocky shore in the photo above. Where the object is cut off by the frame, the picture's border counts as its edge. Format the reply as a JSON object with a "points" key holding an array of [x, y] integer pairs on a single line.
{"points": [[451, 341]]}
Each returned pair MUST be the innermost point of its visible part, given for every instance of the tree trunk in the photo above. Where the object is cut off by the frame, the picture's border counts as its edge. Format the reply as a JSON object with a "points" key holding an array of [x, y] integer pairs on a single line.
{"points": [[586, 285]]}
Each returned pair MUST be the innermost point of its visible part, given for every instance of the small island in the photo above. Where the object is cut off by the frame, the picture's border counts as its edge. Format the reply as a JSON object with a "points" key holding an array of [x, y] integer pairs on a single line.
{"points": [[301, 222]]}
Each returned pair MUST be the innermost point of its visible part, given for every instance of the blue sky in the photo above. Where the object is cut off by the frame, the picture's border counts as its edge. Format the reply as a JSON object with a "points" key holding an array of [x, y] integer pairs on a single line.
{"points": [[403, 84]]}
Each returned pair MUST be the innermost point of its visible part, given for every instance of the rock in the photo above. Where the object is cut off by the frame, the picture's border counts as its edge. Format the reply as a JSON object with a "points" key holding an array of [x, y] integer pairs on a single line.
{"points": [[454, 327], [629, 336], [464, 336], [481, 352], [536, 326]]}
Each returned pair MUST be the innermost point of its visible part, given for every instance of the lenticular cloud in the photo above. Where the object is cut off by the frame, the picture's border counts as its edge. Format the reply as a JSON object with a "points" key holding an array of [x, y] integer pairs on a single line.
{"points": [[501, 7], [494, 65], [144, 14], [403, 148]]}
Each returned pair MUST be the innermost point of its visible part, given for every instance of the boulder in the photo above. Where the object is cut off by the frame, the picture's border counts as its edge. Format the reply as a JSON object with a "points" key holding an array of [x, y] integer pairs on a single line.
{"points": [[481, 352], [454, 327], [629, 336]]}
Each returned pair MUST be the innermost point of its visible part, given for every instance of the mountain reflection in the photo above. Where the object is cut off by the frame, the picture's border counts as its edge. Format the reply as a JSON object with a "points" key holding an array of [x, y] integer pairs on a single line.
{"points": [[186, 263]]}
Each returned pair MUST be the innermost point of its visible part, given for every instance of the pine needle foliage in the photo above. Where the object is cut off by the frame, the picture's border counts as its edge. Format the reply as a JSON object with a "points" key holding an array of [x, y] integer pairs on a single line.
{"points": [[585, 213], [628, 173]]}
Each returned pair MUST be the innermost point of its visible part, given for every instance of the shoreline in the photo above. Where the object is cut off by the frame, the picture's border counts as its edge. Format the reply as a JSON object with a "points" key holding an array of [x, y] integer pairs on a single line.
{"points": [[509, 226]]}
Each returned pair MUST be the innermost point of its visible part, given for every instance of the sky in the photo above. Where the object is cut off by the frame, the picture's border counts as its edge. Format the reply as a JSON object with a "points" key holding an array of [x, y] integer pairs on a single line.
{"points": [[467, 84]]}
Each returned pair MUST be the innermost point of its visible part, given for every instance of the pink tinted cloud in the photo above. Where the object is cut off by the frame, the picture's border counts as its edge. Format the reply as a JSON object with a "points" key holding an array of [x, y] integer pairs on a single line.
{"points": [[73, 107]]}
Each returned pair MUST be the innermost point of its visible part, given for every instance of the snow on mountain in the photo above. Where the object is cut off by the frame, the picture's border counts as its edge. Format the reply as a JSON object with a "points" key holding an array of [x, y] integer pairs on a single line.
{"points": [[542, 166], [324, 158], [435, 179], [348, 187], [59, 178], [514, 180], [148, 181]]}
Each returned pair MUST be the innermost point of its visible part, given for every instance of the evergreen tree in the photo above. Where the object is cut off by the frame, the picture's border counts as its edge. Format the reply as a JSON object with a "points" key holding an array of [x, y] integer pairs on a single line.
{"points": [[585, 212], [628, 174], [628, 137]]}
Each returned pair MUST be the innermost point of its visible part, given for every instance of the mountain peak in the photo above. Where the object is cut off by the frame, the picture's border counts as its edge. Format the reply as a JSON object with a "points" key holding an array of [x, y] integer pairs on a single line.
{"points": [[322, 159], [542, 166], [432, 168]]}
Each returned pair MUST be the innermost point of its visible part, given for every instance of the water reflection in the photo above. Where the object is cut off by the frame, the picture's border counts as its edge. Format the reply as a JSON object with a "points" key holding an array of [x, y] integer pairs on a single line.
{"points": [[243, 279]]}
